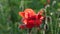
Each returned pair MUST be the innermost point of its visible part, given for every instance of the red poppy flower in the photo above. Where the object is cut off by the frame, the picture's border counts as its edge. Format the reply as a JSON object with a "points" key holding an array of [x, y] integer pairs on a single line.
{"points": [[31, 19]]}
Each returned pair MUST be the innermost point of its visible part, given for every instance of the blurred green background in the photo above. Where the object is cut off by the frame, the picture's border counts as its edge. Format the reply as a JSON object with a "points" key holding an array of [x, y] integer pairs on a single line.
{"points": [[10, 19]]}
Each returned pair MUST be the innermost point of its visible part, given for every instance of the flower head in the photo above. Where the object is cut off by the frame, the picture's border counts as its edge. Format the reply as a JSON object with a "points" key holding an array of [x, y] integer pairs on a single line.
{"points": [[31, 19]]}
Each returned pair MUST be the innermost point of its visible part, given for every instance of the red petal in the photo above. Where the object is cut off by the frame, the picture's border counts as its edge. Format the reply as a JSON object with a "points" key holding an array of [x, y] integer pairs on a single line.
{"points": [[30, 11], [25, 21], [22, 14], [22, 26]]}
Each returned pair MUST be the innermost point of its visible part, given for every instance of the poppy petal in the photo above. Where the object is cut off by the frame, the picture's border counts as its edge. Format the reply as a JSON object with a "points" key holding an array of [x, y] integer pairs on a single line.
{"points": [[22, 14], [30, 11], [25, 21]]}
